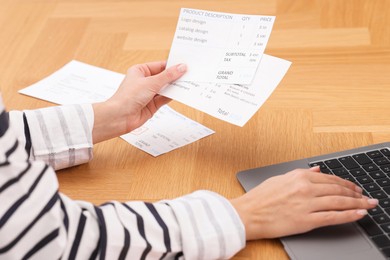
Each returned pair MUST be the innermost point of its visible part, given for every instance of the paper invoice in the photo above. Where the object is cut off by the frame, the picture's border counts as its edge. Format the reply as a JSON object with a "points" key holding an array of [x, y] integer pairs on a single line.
{"points": [[224, 52], [233, 103], [165, 131], [78, 83], [219, 47]]}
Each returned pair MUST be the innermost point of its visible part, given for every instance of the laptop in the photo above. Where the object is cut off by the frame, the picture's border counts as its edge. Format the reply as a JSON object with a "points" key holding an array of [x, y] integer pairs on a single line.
{"points": [[369, 238]]}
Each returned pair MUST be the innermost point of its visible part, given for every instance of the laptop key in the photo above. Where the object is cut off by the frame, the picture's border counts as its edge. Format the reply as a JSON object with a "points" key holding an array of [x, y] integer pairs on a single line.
{"points": [[385, 203], [371, 187], [357, 172], [381, 241], [340, 171], [381, 161], [383, 182], [364, 179], [387, 189], [349, 162], [362, 158], [333, 164], [386, 152], [371, 228], [385, 168], [386, 227], [377, 174], [379, 195], [381, 219], [376, 211], [370, 167], [374, 154]]}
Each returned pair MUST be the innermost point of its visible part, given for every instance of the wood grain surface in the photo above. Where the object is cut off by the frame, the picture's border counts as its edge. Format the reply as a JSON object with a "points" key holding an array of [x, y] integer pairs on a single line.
{"points": [[335, 95]]}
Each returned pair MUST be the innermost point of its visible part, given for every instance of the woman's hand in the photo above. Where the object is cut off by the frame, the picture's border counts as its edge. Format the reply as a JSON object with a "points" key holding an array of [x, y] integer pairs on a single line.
{"points": [[135, 101], [300, 201]]}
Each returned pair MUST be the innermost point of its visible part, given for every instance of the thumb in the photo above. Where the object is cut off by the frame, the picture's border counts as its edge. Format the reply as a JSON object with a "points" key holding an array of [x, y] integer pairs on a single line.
{"points": [[170, 74]]}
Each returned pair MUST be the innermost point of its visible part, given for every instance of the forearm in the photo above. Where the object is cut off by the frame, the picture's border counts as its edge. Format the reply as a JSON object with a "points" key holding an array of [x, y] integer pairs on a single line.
{"points": [[109, 121]]}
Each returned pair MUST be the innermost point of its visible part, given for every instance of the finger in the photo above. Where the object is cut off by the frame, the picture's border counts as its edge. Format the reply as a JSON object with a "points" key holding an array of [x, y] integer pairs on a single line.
{"points": [[330, 203], [156, 67], [325, 189], [170, 74], [146, 69], [315, 169], [332, 179], [327, 218], [159, 101]]}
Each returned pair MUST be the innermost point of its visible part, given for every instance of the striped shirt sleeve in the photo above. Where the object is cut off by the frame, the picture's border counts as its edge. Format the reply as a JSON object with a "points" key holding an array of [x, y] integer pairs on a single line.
{"points": [[60, 136], [39, 222]]}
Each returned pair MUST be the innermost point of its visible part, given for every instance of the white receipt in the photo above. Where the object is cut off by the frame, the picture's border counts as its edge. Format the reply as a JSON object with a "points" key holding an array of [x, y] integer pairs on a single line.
{"points": [[166, 131], [78, 83], [234, 103], [219, 47]]}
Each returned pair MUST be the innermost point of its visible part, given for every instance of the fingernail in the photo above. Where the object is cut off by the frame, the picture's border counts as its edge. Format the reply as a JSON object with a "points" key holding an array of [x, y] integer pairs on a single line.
{"points": [[373, 201], [362, 212], [182, 68], [315, 168]]}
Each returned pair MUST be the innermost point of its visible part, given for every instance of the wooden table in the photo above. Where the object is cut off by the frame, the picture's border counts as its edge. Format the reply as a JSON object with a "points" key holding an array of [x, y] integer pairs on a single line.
{"points": [[335, 95]]}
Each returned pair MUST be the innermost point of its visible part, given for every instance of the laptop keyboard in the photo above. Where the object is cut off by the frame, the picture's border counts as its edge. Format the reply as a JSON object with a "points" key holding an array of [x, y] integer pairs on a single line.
{"points": [[371, 171]]}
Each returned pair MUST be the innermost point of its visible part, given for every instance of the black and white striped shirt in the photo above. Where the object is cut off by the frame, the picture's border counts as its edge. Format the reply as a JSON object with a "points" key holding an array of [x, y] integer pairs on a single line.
{"points": [[39, 222]]}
